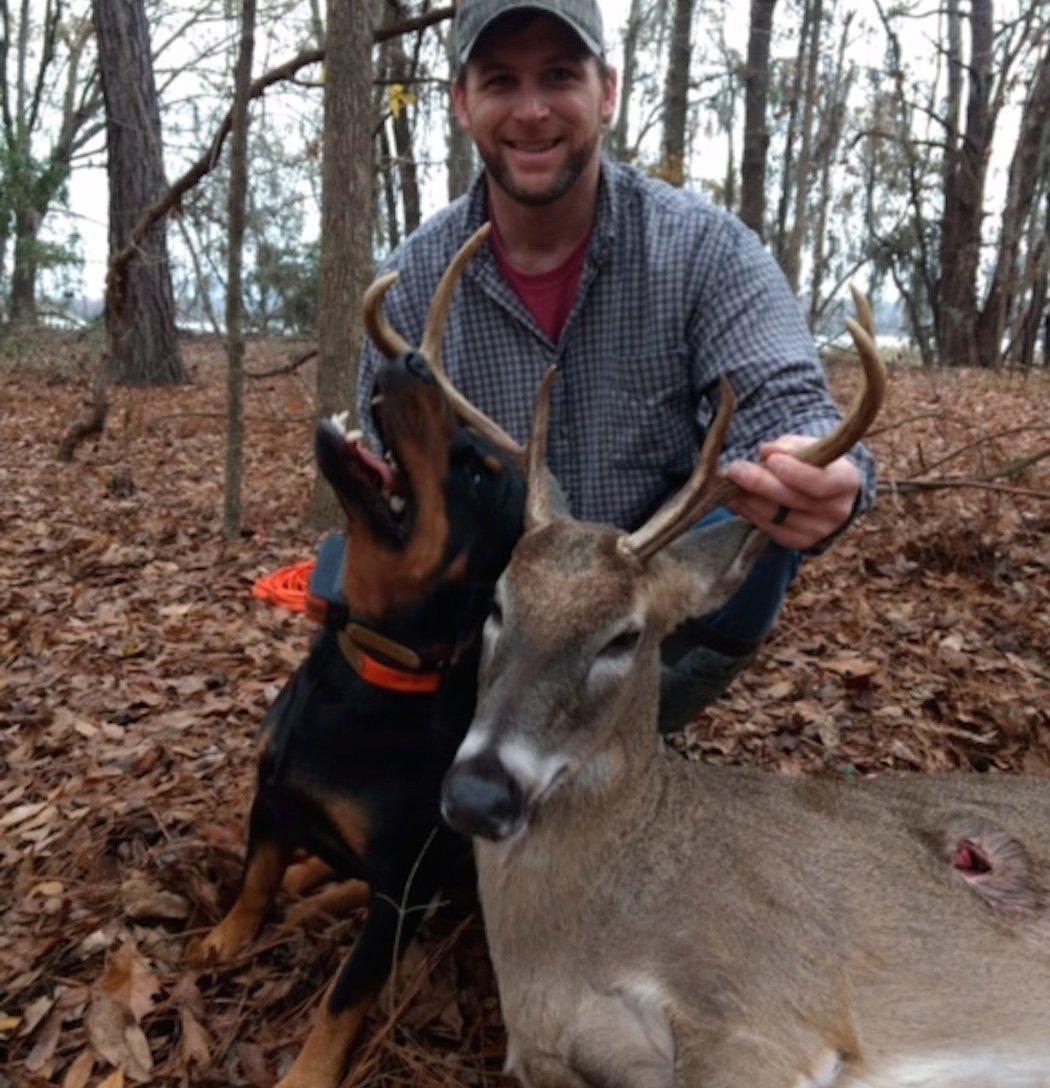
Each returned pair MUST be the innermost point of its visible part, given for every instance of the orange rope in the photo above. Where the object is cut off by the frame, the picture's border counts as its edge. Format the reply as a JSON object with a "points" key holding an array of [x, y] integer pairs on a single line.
{"points": [[286, 587]]}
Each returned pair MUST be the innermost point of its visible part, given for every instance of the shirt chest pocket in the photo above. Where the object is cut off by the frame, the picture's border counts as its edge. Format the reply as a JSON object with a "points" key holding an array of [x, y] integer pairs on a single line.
{"points": [[653, 419]]}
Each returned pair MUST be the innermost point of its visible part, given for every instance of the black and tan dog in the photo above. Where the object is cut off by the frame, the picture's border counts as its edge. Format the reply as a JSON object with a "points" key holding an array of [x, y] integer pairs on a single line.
{"points": [[355, 747]]}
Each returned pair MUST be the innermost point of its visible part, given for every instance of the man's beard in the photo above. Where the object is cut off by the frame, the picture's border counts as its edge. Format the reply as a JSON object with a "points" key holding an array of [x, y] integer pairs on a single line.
{"points": [[566, 178]]}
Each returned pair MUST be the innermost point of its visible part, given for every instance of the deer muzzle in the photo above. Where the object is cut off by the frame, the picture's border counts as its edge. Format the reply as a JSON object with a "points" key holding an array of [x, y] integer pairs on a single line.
{"points": [[481, 797]]}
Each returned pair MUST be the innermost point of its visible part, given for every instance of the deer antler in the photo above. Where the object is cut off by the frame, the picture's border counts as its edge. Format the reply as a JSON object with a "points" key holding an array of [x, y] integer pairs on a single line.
{"points": [[392, 344], [538, 479], [704, 491]]}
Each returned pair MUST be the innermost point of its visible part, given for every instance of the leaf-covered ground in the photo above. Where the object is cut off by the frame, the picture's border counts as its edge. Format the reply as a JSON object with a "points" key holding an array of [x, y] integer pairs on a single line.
{"points": [[134, 667]]}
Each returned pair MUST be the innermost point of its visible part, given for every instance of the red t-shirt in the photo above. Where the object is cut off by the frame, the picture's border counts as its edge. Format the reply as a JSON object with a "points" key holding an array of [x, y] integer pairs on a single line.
{"points": [[548, 296]]}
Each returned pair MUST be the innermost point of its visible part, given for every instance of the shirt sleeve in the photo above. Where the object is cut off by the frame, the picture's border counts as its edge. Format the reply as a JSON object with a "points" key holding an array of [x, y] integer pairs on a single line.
{"points": [[745, 324]]}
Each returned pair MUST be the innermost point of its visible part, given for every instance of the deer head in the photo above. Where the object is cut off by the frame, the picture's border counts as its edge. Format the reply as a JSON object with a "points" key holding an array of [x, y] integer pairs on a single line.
{"points": [[569, 681]]}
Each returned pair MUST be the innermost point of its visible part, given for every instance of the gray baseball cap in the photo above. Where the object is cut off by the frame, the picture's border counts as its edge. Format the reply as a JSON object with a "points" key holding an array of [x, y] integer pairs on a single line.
{"points": [[474, 17]]}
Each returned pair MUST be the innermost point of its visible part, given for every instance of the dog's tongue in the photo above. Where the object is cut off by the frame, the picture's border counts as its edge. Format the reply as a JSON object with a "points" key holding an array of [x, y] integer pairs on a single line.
{"points": [[375, 463]]}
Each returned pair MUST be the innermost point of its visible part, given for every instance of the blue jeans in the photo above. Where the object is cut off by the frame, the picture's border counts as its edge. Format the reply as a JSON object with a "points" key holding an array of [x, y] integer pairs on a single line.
{"points": [[703, 655]]}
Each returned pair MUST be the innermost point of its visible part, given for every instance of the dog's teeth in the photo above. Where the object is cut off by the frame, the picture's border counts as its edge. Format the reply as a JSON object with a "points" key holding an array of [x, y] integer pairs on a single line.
{"points": [[355, 436], [376, 400], [340, 420], [397, 503]]}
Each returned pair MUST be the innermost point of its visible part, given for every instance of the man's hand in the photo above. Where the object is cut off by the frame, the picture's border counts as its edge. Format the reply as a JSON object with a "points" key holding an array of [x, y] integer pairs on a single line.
{"points": [[817, 501]]}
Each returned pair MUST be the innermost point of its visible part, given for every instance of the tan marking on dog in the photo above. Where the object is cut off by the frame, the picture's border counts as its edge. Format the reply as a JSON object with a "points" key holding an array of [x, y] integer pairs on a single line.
{"points": [[351, 821], [304, 876], [335, 901], [320, 1063], [380, 580], [262, 879]]}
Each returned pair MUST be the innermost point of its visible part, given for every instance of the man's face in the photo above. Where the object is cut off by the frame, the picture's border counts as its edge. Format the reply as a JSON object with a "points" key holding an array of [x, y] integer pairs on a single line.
{"points": [[534, 102]]}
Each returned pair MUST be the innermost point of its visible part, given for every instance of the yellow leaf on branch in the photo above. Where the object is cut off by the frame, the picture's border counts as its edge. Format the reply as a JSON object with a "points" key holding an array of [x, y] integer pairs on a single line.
{"points": [[399, 99]]}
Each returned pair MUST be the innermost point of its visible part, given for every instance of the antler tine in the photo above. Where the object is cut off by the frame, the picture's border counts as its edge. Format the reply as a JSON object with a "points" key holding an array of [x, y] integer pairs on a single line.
{"points": [[538, 501], [430, 349], [386, 339], [441, 303], [865, 405], [863, 308], [701, 493]]}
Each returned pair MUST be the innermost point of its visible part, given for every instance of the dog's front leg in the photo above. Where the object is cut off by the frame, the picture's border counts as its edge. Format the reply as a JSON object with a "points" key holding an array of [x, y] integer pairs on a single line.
{"points": [[393, 919], [267, 859]]}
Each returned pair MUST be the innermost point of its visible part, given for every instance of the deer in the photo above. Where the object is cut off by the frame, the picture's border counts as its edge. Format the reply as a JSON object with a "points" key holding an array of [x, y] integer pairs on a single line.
{"points": [[655, 921]]}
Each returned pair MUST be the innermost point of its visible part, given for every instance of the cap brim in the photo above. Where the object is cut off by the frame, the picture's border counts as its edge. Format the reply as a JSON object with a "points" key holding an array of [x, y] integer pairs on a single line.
{"points": [[531, 5]]}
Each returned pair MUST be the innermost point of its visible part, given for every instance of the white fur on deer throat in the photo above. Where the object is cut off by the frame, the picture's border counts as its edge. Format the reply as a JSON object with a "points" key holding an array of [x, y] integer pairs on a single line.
{"points": [[976, 1069]]}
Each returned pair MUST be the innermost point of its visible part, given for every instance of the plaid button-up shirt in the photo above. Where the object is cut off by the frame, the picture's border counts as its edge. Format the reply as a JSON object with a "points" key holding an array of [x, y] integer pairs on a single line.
{"points": [[674, 293]]}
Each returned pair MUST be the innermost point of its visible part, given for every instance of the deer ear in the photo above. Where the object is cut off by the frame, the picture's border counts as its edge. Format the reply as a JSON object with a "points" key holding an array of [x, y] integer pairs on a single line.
{"points": [[701, 570]]}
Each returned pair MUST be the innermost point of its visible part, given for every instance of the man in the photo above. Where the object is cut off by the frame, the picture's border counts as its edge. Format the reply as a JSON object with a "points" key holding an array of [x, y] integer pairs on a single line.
{"points": [[644, 296]]}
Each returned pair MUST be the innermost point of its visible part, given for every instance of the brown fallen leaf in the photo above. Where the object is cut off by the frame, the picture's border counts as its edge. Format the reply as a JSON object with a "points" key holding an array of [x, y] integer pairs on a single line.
{"points": [[129, 980], [79, 1072], [34, 1012], [196, 1042], [46, 1041], [114, 1080], [851, 666], [144, 901], [117, 1037]]}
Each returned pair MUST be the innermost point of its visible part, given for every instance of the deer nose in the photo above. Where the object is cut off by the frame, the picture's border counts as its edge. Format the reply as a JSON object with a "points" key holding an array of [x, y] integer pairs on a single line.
{"points": [[479, 797]]}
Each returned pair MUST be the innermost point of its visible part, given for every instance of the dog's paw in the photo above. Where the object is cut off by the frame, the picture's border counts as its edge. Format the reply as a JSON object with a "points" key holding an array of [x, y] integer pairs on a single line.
{"points": [[222, 944]]}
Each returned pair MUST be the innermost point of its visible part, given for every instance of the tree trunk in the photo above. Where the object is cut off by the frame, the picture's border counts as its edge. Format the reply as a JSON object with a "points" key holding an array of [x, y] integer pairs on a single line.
{"points": [[54, 46], [794, 98], [23, 273], [386, 182], [833, 113], [1034, 319], [676, 95], [238, 197], [963, 200], [756, 133], [616, 138], [460, 149], [140, 308], [793, 250], [1024, 173], [403, 147], [346, 216]]}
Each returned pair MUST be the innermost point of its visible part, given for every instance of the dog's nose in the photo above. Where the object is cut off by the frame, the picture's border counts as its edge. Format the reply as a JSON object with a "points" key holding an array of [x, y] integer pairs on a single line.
{"points": [[416, 365], [479, 797]]}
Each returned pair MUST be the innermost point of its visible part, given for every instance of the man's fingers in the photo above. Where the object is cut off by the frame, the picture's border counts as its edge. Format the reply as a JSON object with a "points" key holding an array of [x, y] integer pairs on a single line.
{"points": [[800, 529], [818, 500], [839, 477], [759, 481]]}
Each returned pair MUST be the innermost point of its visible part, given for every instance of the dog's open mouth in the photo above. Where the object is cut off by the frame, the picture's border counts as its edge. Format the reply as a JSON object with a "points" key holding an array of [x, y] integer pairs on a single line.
{"points": [[373, 485]]}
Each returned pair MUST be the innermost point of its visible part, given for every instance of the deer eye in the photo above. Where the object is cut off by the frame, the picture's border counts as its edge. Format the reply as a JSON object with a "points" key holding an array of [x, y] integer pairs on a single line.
{"points": [[624, 643]]}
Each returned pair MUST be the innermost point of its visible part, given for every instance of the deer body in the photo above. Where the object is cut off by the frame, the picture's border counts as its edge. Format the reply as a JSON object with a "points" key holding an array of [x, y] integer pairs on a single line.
{"points": [[660, 922], [656, 923]]}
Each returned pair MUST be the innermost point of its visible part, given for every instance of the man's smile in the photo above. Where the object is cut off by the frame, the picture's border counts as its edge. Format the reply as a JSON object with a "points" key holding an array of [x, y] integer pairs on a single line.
{"points": [[533, 146]]}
